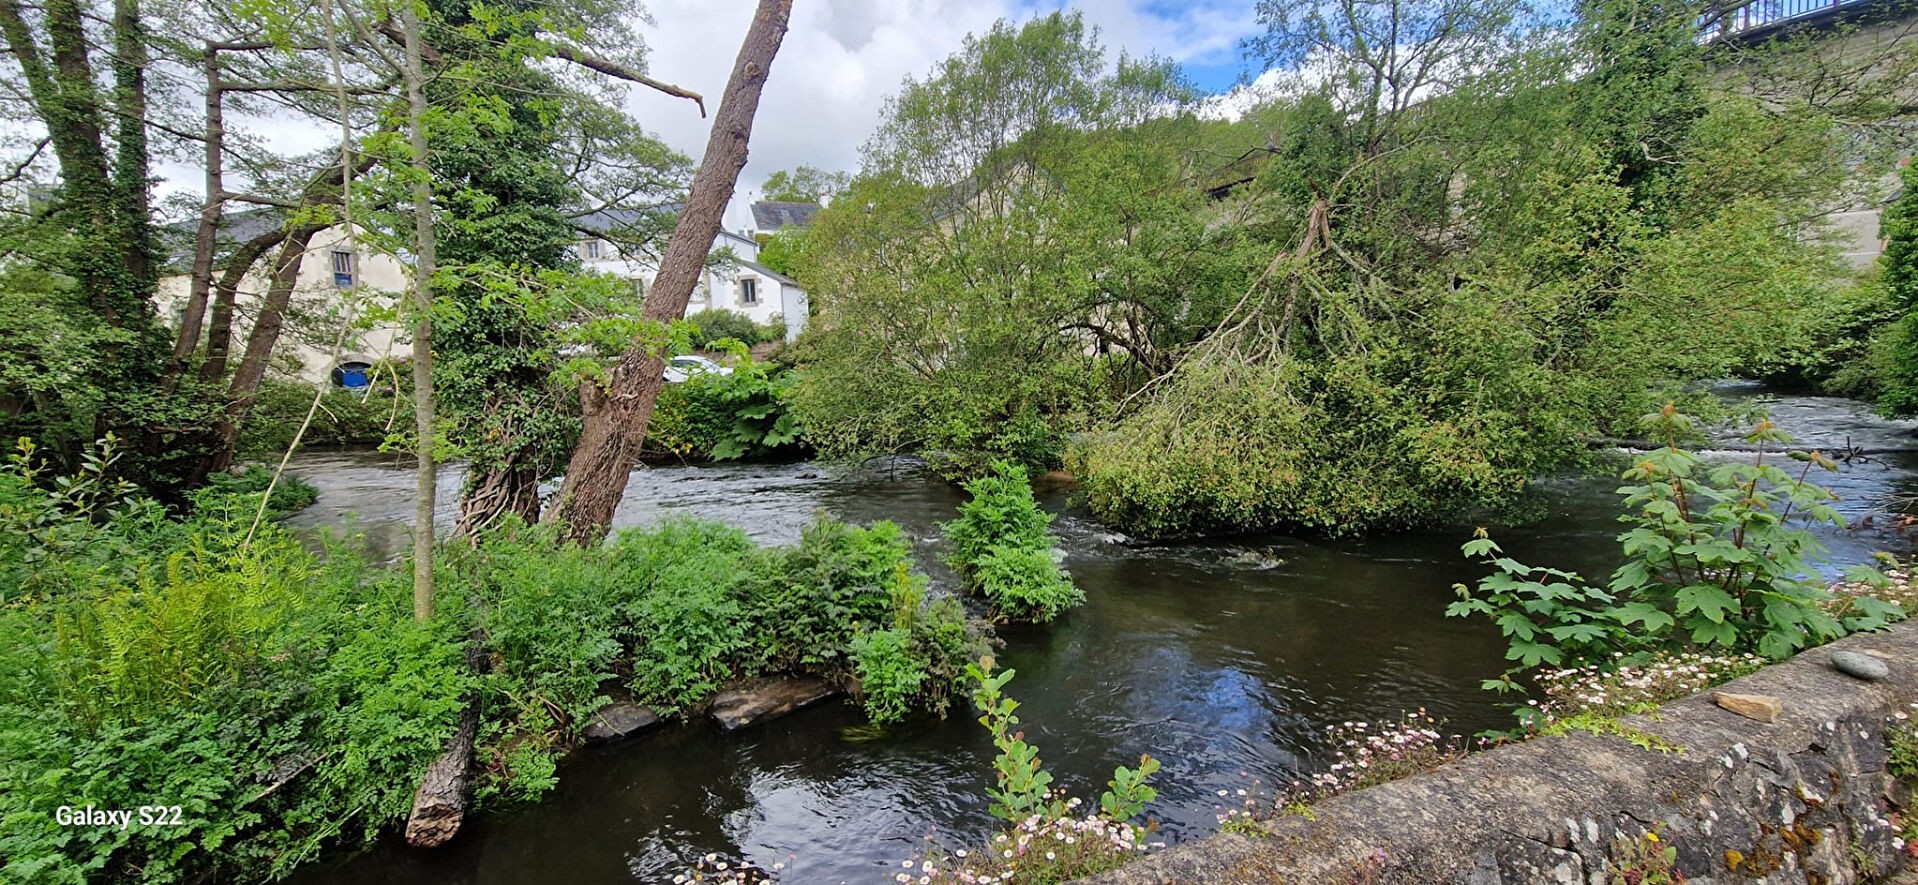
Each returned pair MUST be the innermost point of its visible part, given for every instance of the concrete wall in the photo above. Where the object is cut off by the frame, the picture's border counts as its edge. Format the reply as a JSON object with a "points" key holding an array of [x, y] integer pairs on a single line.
{"points": [[776, 299], [1804, 800]]}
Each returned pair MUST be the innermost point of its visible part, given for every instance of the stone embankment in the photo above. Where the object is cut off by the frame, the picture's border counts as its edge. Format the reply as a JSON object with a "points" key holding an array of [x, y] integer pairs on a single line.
{"points": [[1803, 799]]}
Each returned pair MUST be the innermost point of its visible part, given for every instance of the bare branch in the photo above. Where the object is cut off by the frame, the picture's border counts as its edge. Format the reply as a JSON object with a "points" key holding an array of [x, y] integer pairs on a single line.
{"points": [[614, 69]]}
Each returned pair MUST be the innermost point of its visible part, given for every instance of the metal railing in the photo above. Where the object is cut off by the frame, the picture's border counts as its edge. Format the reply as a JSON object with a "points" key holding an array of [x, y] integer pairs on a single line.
{"points": [[1766, 13]]}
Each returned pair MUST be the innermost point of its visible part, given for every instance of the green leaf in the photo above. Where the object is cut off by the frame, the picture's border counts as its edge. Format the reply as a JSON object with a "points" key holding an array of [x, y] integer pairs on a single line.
{"points": [[1706, 600]]}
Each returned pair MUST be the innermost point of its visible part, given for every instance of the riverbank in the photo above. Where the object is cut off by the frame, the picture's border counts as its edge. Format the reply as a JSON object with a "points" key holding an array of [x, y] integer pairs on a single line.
{"points": [[1810, 796]]}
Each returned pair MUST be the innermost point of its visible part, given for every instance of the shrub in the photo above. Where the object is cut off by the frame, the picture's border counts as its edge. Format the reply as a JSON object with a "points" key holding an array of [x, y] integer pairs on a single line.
{"points": [[1025, 584], [1001, 511], [1002, 550], [727, 417], [890, 673], [713, 325], [291, 494], [915, 663], [343, 418], [1718, 562]]}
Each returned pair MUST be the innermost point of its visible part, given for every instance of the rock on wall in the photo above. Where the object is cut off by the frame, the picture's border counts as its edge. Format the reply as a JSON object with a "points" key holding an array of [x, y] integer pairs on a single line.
{"points": [[1804, 800]]}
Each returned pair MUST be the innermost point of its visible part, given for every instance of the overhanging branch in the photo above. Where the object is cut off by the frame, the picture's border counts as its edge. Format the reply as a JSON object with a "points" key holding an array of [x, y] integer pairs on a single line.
{"points": [[614, 69]]}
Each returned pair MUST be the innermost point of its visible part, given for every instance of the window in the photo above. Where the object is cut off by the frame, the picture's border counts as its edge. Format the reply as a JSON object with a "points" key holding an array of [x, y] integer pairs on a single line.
{"points": [[343, 269], [592, 250], [748, 291]]}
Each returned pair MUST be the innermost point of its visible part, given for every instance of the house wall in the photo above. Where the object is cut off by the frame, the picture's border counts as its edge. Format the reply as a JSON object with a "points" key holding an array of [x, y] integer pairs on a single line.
{"points": [[311, 332], [314, 328], [776, 300]]}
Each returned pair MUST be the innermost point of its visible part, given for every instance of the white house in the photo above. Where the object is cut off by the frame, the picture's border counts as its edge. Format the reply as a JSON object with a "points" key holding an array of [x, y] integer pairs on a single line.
{"points": [[334, 267], [738, 283]]}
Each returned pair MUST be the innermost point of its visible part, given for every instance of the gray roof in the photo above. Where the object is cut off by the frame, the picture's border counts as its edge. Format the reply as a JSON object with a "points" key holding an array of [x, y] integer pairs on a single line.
{"points": [[765, 271], [771, 215]]}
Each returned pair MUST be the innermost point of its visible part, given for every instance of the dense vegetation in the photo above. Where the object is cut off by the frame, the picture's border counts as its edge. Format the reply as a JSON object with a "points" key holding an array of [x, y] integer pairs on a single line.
{"points": [[1366, 302], [1002, 551], [1717, 559], [287, 699]]}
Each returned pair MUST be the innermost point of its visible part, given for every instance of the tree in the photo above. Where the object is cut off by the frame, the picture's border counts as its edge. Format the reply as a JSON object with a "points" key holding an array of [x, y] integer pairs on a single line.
{"points": [[1899, 278], [805, 184], [91, 99], [1025, 227], [616, 414]]}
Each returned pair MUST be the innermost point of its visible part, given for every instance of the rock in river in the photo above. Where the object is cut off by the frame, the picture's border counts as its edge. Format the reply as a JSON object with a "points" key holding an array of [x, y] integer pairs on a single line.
{"points": [[757, 700], [1860, 666], [619, 719]]}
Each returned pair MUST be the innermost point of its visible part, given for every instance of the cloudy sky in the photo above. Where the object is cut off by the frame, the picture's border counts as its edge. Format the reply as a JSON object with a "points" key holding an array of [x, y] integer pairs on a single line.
{"points": [[843, 57]]}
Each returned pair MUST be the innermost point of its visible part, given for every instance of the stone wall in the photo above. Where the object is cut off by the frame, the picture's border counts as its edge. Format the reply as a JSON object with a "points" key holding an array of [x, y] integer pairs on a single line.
{"points": [[1806, 799]]}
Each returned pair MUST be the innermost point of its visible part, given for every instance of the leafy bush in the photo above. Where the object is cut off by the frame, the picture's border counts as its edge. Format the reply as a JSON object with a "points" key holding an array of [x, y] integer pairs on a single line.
{"points": [[915, 663], [287, 700], [713, 325], [806, 603], [291, 494], [275, 695], [727, 417], [1025, 584], [890, 674], [343, 418], [1002, 550], [1715, 559]]}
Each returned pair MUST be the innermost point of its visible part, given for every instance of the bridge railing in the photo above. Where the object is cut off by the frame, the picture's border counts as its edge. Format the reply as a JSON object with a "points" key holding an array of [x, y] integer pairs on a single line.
{"points": [[1764, 14]]}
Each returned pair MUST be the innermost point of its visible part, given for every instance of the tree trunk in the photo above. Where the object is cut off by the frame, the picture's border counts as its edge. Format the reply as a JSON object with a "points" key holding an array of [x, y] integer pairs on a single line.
{"points": [[205, 239], [439, 805], [427, 476], [226, 292], [616, 418], [259, 348]]}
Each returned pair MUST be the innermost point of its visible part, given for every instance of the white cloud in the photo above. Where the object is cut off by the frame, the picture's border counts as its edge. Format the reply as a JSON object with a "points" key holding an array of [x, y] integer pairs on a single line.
{"points": [[841, 58]]}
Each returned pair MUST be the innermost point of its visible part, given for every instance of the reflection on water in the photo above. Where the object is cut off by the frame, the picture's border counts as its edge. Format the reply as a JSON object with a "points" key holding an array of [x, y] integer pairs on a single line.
{"points": [[1224, 658]]}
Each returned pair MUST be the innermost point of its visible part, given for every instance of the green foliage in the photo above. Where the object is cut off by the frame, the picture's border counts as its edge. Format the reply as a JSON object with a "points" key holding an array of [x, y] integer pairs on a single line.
{"points": [[1335, 314], [804, 184], [742, 415], [786, 250], [1024, 583], [1714, 558], [1127, 793], [1024, 786], [916, 662], [281, 698], [889, 673], [1023, 792], [714, 325], [291, 494], [1001, 549], [1899, 227], [947, 322], [288, 701], [344, 418]]}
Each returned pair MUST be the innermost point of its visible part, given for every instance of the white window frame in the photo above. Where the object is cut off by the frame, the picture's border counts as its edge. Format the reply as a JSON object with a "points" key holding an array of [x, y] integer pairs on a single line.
{"points": [[749, 290]]}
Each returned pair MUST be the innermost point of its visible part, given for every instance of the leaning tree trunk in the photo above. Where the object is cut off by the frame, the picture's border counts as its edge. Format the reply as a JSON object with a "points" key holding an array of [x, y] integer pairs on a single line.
{"points": [[259, 348], [616, 417]]}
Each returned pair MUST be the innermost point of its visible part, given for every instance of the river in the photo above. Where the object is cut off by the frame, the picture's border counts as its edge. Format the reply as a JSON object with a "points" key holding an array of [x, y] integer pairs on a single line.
{"points": [[1224, 658]]}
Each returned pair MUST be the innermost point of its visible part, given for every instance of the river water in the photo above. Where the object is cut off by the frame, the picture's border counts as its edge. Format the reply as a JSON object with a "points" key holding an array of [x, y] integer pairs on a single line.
{"points": [[1224, 658]]}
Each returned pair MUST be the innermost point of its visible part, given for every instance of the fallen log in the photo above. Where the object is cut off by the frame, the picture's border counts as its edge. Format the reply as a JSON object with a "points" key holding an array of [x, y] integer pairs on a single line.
{"points": [[439, 805]]}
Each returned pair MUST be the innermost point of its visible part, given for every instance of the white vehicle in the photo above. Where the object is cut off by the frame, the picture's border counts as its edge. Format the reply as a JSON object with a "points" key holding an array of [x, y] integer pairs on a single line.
{"points": [[680, 368]]}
